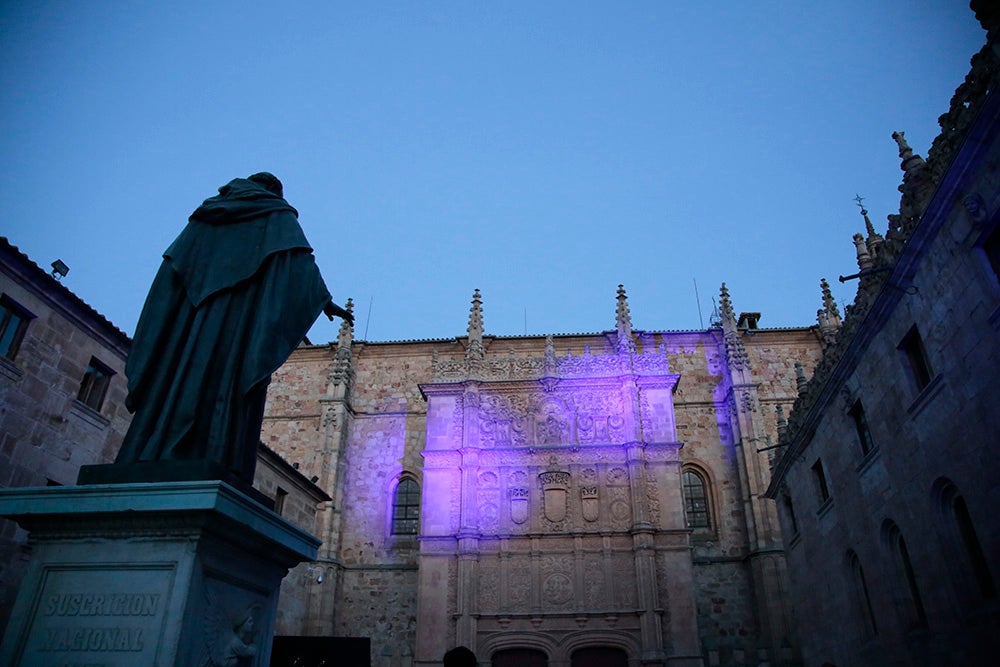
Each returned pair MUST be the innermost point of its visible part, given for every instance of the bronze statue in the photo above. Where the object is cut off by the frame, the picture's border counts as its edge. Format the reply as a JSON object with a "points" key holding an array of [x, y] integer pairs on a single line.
{"points": [[237, 291]]}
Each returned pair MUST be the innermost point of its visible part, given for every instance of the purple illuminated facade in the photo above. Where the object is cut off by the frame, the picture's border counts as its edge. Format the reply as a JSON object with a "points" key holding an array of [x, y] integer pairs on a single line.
{"points": [[553, 518]]}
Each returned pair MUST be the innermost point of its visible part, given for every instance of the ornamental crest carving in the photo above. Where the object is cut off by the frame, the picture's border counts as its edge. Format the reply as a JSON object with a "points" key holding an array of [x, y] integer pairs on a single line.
{"points": [[555, 486], [590, 500], [518, 505]]}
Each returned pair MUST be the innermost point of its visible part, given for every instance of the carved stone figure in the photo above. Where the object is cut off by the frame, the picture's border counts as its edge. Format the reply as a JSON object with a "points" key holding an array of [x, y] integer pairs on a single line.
{"points": [[236, 293]]}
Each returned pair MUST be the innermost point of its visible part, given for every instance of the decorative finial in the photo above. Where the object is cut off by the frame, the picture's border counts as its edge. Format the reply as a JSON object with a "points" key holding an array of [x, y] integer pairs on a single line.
{"points": [[346, 333], [916, 189], [781, 421], [475, 330], [736, 353], [858, 198], [829, 304], [726, 306], [864, 257], [904, 148], [550, 356], [800, 379], [623, 322], [828, 316]]}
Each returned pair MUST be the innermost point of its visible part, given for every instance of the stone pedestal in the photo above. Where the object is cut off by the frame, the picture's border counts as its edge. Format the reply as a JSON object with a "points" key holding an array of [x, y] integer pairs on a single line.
{"points": [[166, 574]]}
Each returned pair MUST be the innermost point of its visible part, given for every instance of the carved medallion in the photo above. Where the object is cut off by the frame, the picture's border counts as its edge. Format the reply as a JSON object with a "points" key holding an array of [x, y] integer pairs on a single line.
{"points": [[557, 588]]}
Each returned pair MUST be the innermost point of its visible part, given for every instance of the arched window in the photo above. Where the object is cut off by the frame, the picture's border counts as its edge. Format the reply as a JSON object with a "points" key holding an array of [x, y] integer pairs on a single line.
{"points": [[697, 509], [897, 545], [863, 603], [786, 501], [406, 507], [973, 550], [964, 541]]}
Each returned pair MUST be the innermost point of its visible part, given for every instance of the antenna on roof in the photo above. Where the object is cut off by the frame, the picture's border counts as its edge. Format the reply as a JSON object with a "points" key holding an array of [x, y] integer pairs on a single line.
{"points": [[697, 299], [525, 320], [369, 317]]}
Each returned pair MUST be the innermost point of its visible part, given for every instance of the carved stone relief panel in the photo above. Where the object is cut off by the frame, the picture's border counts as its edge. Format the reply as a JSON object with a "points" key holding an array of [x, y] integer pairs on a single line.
{"points": [[529, 416], [595, 591], [552, 425], [519, 582], [619, 507], [624, 569], [489, 502], [652, 499], [489, 584], [556, 574]]}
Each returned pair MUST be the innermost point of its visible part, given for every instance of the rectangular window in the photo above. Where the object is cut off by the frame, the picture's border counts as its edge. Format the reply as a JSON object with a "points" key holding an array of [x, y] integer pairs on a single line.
{"points": [[95, 383], [13, 323], [992, 248], [279, 500], [919, 368], [861, 426], [821, 487]]}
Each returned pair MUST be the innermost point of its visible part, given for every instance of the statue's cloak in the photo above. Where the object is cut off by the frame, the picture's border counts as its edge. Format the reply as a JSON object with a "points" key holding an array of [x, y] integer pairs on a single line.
{"points": [[236, 293]]}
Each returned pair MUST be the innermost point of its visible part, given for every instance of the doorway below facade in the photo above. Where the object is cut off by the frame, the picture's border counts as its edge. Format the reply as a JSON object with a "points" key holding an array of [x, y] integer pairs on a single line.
{"points": [[519, 657], [599, 656]]}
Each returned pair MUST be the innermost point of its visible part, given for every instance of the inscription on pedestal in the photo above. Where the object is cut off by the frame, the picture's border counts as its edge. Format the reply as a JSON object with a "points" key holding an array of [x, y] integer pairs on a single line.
{"points": [[103, 616]]}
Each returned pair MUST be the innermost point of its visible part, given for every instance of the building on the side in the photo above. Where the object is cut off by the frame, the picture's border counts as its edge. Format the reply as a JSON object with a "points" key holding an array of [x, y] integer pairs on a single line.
{"points": [[549, 499], [62, 392], [62, 405], [888, 481]]}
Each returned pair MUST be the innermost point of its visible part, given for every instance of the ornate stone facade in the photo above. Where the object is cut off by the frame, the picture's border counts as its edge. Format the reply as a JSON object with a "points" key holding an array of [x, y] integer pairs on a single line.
{"points": [[552, 513]]}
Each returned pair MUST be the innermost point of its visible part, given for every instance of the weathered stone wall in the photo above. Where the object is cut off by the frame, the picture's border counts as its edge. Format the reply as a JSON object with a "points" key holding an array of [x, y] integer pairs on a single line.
{"points": [[293, 414]]}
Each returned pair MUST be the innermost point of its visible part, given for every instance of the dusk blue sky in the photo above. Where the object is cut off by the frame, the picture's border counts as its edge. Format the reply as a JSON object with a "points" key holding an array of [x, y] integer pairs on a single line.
{"points": [[543, 152]]}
